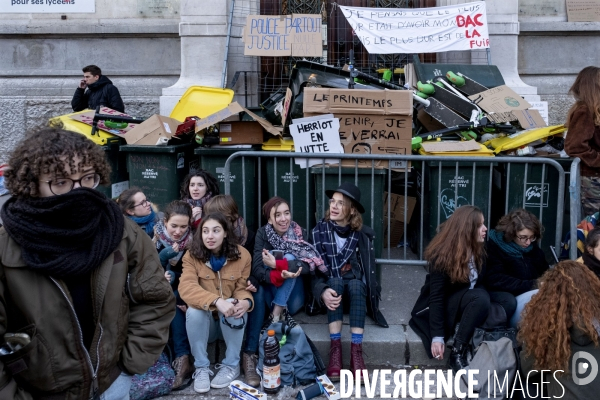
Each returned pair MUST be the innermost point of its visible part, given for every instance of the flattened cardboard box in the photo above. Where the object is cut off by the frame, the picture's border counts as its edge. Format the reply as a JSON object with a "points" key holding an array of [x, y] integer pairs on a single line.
{"points": [[154, 130], [397, 229], [397, 207], [349, 101], [230, 110], [500, 99], [240, 132]]}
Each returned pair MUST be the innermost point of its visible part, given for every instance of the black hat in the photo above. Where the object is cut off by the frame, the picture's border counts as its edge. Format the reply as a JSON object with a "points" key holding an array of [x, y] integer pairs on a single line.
{"points": [[349, 190]]}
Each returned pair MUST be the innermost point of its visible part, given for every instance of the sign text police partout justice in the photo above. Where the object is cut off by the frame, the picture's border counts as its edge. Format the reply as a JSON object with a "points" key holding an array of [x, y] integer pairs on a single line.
{"points": [[418, 30]]}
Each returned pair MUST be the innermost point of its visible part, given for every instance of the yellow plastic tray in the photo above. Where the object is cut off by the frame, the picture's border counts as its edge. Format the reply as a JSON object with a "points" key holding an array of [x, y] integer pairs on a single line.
{"points": [[278, 144], [482, 152], [523, 138], [100, 138], [201, 101]]}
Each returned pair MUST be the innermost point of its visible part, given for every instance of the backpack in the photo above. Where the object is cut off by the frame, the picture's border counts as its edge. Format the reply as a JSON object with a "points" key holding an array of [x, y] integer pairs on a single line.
{"points": [[300, 362], [493, 357]]}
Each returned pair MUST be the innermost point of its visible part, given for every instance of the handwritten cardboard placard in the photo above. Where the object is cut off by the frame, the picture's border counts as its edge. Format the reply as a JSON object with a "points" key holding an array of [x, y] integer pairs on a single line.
{"points": [[297, 35], [320, 134], [435, 29], [583, 10]]}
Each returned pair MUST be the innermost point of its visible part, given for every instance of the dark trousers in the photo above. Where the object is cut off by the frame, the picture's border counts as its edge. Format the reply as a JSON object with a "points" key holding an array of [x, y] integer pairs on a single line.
{"points": [[181, 344], [355, 293], [474, 309]]}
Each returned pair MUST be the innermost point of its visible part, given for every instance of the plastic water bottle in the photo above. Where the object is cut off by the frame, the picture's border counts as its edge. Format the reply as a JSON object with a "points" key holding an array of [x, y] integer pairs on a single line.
{"points": [[271, 365]]}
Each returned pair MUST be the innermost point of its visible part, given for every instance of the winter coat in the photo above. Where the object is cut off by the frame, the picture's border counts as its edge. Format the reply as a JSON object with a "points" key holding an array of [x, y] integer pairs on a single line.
{"points": [[583, 141], [515, 275], [366, 258], [200, 286], [259, 270], [436, 310], [133, 307], [100, 93]]}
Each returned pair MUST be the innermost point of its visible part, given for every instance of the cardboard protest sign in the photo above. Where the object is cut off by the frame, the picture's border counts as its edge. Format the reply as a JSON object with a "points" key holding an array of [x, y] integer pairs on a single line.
{"points": [[88, 119], [318, 134], [371, 121], [529, 119], [435, 29], [500, 99], [297, 35]]}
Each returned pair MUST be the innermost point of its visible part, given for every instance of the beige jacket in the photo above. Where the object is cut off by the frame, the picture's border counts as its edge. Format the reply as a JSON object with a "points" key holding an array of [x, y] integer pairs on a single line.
{"points": [[200, 286]]}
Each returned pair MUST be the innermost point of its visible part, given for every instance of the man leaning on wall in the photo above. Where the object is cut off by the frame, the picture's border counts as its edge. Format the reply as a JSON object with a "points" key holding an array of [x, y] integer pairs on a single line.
{"points": [[95, 90]]}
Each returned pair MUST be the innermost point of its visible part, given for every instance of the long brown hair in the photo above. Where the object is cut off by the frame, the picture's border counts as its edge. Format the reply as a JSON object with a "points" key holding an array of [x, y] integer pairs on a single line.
{"points": [[569, 296], [456, 242], [586, 90], [229, 249]]}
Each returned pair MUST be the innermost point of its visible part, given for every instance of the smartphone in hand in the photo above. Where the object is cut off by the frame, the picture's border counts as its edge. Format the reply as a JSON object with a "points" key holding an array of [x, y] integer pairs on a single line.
{"points": [[278, 254]]}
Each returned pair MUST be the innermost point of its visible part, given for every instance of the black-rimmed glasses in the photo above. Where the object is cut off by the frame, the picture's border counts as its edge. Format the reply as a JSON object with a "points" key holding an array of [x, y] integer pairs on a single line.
{"points": [[65, 185], [142, 203]]}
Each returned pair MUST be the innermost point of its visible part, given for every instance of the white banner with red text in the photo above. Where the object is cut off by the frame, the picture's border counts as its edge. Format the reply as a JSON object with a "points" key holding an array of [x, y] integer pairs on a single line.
{"points": [[420, 30]]}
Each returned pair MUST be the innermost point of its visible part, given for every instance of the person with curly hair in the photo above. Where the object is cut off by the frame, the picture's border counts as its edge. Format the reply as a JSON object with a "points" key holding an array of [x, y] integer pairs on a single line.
{"points": [[558, 322], [197, 189], [213, 285], [135, 205], [453, 291], [81, 287], [514, 261], [583, 136]]}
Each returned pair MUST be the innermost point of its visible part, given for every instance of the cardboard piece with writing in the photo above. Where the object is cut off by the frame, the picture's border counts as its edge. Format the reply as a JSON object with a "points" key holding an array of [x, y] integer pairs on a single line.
{"points": [[307, 40], [530, 119], [583, 10], [318, 134], [371, 121], [155, 130], [264, 35], [441, 147], [88, 119], [230, 110], [348, 101], [297, 35], [500, 99]]}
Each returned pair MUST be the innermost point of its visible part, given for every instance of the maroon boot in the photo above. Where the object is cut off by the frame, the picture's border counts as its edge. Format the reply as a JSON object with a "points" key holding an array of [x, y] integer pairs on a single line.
{"points": [[335, 360], [356, 359]]}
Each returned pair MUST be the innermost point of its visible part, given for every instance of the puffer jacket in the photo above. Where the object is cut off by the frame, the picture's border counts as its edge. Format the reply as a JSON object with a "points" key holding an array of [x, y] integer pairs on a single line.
{"points": [[100, 93], [200, 286], [133, 306]]}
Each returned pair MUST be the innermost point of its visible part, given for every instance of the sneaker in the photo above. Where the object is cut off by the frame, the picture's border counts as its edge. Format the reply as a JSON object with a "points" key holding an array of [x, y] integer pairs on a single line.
{"points": [[291, 322], [225, 376], [202, 379], [183, 370]]}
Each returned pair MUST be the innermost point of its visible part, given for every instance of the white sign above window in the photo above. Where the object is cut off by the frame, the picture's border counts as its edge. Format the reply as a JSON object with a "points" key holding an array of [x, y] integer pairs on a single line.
{"points": [[47, 6]]}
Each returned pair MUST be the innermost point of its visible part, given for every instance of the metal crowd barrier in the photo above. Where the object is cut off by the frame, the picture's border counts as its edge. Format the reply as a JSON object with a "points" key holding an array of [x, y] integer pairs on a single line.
{"points": [[496, 171], [575, 205]]}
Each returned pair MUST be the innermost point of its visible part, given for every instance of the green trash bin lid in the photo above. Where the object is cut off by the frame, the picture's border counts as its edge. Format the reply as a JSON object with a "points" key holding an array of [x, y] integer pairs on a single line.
{"points": [[155, 149]]}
